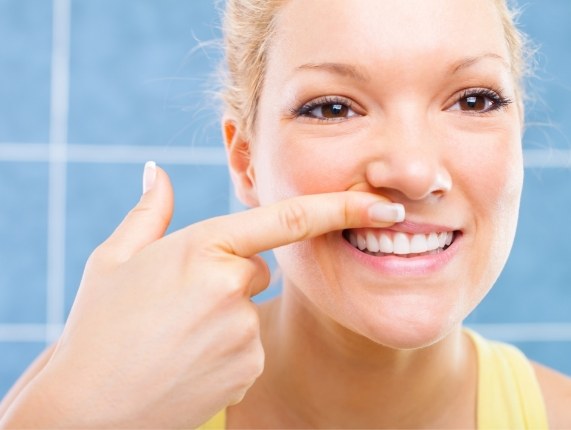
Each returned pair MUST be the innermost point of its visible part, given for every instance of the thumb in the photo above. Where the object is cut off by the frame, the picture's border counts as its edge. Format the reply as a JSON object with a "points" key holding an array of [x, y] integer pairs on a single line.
{"points": [[149, 219]]}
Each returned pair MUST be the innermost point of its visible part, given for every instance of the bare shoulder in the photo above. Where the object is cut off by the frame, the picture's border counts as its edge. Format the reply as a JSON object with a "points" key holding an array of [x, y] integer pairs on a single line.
{"points": [[556, 389]]}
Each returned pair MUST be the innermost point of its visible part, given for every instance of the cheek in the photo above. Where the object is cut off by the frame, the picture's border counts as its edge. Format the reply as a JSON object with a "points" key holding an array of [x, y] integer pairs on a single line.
{"points": [[491, 180], [305, 165], [505, 206], [492, 177]]}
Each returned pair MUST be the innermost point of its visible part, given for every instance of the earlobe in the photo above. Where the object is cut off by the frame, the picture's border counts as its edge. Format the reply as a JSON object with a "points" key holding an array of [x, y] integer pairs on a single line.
{"points": [[240, 163]]}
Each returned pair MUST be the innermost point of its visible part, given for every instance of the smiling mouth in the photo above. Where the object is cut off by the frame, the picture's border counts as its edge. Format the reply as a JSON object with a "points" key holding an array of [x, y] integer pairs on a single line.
{"points": [[381, 243]]}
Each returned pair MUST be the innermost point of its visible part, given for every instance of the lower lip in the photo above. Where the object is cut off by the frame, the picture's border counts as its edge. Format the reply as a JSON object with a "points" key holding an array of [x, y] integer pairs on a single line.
{"points": [[393, 265]]}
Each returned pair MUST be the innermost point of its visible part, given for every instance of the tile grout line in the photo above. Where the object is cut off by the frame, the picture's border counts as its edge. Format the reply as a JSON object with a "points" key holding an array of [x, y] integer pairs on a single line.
{"points": [[524, 332], [59, 104], [122, 154], [194, 155]]}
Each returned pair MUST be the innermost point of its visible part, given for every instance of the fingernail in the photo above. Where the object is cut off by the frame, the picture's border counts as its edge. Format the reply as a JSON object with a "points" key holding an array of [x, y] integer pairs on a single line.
{"points": [[386, 212], [149, 175]]}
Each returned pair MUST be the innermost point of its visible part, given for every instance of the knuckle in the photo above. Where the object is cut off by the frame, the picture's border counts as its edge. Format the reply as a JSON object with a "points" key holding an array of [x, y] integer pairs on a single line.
{"points": [[265, 275], [260, 268], [100, 258], [108, 255], [346, 213], [233, 287], [253, 367], [246, 329], [238, 396], [250, 325], [237, 284], [145, 212], [258, 361], [294, 218], [248, 373]]}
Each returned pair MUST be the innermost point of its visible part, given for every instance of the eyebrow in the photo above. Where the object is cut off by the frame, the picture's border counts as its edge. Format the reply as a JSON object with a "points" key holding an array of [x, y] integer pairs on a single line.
{"points": [[343, 69], [470, 61], [351, 71]]}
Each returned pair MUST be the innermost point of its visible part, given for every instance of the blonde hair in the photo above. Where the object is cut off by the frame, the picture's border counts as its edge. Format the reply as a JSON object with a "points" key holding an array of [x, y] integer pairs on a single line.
{"points": [[521, 50], [248, 27]]}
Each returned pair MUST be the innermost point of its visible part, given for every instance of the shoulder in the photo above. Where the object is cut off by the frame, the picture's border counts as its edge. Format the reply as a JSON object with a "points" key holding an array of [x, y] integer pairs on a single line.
{"points": [[556, 389]]}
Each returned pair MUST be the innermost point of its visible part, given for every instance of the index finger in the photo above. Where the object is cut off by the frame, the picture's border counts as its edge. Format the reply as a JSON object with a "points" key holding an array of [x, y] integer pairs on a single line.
{"points": [[299, 218]]}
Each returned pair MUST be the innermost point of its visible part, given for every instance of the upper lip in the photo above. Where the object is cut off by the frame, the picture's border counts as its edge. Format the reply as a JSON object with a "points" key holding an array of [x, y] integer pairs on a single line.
{"points": [[418, 228]]}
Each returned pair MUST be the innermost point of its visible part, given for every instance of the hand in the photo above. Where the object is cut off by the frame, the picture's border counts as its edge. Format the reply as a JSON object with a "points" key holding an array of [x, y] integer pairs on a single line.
{"points": [[163, 332]]}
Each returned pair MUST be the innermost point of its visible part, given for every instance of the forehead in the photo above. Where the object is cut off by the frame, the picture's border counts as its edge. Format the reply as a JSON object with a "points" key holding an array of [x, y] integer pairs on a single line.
{"points": [[400, 34]]}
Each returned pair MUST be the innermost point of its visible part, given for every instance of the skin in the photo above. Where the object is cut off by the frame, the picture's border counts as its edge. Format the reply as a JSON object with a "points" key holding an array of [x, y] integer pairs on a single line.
{"points": [[404, 138], [343, 347], [387, 338], [170, 313]]}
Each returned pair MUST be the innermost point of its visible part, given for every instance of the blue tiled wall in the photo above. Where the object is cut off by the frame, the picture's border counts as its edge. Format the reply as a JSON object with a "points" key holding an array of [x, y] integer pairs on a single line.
{"points": [[25, 53], [24, 201], [134, 86]]}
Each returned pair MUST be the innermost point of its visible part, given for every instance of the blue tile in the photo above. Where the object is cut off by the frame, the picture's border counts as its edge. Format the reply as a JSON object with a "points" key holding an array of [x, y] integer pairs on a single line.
{"points": [[100, 196], [25, 55], [133, 81], [534, 286], [552, 354], [14, 359], [549, 110], [23, 225]]}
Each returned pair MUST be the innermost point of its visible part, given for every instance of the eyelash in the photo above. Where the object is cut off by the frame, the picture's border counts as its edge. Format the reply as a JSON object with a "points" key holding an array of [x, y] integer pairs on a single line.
{"points": [[496, 96], [305, 109]]}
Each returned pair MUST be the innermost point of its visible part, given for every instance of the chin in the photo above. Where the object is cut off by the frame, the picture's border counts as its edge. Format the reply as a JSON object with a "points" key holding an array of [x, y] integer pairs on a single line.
{"points": [[406, 326], [412, 337]]}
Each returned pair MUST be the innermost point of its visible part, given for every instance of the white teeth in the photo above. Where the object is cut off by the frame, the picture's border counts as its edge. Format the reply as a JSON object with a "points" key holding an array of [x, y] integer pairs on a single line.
{"points": [[400, 243], [418, 243], [361, 242], [353, 239], [449, 236], [433, 242], [442, 239], [372, 242], [386, 244]]}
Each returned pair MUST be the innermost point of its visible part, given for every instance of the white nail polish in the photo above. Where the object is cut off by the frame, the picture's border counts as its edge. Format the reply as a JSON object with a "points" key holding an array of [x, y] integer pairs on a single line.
{"points": [[149, 175], [387, 212]]}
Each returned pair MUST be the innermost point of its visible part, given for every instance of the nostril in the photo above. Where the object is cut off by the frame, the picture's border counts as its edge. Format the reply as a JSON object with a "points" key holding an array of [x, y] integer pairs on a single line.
{"points": [[442, 184]]}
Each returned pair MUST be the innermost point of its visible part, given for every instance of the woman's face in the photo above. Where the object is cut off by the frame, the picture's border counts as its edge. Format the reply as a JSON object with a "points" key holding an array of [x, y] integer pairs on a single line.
{"points": [[413, 100]]}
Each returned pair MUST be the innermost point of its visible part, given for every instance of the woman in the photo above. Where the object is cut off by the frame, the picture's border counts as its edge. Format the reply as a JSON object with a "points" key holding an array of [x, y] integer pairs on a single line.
{"points": [[380, 141]]}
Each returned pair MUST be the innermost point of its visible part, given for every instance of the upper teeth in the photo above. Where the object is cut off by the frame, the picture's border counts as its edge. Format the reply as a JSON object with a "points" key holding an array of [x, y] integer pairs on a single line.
{"points": [[389, 242]]}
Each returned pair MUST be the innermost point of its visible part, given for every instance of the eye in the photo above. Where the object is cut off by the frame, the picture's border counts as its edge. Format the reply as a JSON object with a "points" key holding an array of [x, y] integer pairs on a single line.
{"points": [[480, 101], [327, 109], [331, 110], [475, 103]]}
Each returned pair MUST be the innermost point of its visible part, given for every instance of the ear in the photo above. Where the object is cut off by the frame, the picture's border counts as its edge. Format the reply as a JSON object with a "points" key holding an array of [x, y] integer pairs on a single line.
{"points": [[240, 163]]}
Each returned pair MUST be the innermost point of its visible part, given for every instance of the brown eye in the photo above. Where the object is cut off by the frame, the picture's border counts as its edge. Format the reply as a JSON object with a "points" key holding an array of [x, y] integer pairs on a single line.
{"points": [[336, 110], [475, 103], [327, 109], [331, 111], [479, 101]]}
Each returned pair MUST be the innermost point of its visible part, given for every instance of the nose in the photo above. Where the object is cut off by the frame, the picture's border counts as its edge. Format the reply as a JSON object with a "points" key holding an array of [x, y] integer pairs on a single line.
{"points": [[409, 162]]}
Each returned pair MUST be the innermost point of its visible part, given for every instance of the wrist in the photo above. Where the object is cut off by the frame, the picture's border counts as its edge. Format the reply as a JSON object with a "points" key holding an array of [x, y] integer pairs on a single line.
{"points": [[51, 400]]}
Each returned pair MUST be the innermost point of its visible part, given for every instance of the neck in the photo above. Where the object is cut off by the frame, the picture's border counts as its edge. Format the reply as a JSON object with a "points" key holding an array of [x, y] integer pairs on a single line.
{"points": [[321, 375]]}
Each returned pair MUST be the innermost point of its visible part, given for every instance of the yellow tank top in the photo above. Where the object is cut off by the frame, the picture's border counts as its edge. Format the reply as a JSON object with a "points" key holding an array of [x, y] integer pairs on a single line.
{"points": [[509, 396]]}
